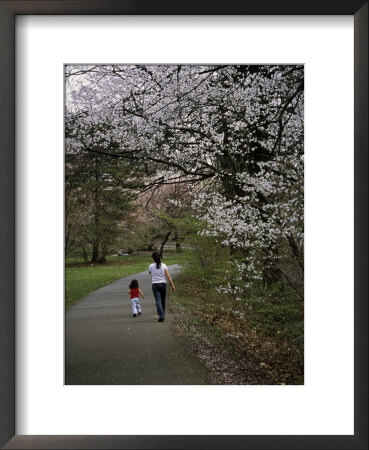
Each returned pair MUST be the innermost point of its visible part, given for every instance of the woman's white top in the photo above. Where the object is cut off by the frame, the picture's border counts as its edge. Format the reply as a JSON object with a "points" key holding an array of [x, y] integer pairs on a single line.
{"points": [[158, 275]]}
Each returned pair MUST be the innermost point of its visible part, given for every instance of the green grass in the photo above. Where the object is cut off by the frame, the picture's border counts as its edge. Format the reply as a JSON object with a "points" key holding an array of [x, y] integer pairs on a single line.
{"points": [[82, 279]]}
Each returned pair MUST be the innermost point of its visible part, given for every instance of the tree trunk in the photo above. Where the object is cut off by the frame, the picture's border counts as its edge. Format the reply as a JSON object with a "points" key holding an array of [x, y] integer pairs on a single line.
{"points": [[95, 253], [85, 257], [296, 251], [95, 249], [178, 242], [163, 243], [272, 275], [67, 236], [102, 258]]}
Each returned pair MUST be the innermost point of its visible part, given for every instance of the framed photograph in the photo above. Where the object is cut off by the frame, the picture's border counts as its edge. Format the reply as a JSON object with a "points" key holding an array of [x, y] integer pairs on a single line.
{"points": [[66, 66]]}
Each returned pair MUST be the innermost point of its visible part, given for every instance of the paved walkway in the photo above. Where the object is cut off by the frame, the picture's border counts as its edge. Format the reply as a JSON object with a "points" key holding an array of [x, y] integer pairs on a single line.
{"points": [[106, 345]]}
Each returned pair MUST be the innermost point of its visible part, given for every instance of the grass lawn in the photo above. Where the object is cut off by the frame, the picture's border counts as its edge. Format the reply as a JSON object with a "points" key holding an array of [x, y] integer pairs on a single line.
{"points": [[81, 278]]}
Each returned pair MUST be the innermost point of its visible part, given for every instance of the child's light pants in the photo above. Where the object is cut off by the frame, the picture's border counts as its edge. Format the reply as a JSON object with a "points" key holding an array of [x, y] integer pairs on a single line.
{"points": [[136, 307]]}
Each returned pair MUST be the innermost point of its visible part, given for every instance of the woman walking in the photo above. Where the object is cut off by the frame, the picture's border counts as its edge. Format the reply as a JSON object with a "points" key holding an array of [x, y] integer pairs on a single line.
{"points": [[160, 274]]}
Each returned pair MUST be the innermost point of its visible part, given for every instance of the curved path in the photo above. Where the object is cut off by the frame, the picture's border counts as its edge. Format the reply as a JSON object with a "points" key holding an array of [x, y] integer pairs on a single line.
{"points": [[106, 345]]}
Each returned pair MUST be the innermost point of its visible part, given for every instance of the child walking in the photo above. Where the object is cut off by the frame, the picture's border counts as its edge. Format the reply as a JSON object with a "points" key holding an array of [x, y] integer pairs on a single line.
{"points": [[135, 292]]}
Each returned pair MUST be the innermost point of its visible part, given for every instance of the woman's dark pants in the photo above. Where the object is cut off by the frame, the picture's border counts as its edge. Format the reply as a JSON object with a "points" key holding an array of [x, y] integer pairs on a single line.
{"points": [[160, 293]]}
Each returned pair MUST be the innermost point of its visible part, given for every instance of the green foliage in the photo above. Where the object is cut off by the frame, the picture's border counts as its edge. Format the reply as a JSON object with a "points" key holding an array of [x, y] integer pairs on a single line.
{"points": [[273, 309], [208, 260], [98, 192], [277, 311]]}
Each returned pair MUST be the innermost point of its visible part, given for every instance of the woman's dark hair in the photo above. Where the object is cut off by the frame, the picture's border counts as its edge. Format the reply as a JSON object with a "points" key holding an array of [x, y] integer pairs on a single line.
{"points": [[156, 257], [134, 284]]}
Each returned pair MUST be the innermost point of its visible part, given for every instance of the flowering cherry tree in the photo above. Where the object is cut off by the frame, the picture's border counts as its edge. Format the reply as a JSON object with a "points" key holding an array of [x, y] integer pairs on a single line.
{"points": [[235, 132]]}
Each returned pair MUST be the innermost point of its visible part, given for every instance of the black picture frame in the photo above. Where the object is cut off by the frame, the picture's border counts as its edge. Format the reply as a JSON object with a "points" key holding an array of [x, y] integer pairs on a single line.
{"points": [[8, 12]]}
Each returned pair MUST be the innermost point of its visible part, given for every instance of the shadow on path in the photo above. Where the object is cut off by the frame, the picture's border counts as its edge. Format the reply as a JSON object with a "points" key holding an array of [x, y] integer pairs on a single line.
{"points": [[106, 345]]}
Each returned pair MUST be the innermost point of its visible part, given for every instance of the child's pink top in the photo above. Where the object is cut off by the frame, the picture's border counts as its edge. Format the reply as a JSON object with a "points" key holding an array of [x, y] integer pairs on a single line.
{"points": [[135, 293]]}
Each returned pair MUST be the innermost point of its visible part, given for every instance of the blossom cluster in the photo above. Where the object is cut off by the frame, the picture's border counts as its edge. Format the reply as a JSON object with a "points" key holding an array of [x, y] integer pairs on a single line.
{"points": [[237, 130]]}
